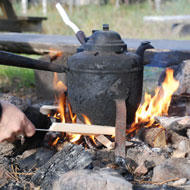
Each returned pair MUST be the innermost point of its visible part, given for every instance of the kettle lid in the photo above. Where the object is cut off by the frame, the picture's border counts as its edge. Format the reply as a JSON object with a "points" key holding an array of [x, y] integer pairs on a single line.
{"points": [[105, 40]]}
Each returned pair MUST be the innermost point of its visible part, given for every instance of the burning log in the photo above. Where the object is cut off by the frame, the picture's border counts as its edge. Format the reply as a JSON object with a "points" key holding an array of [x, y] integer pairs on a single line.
{"points": [[154, 136]]}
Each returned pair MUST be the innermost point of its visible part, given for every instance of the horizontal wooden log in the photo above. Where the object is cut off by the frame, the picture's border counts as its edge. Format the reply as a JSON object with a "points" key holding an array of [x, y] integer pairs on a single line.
{"points": [[37, 43], [166, 53], [82, 129], [176, 18]]}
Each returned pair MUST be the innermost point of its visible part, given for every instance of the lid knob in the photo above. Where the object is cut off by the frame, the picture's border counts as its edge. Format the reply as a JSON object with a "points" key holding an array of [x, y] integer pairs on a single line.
{"points": [[105, 27]]}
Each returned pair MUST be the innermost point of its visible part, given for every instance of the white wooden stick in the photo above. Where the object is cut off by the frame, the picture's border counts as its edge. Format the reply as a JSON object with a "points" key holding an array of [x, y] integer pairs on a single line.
{"points": [[66, 18], [82, 129], [47, 109]]}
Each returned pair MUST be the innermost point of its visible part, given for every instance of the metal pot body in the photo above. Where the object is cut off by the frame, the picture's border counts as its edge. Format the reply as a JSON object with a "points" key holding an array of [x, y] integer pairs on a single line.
{"points": [[93, 88]]}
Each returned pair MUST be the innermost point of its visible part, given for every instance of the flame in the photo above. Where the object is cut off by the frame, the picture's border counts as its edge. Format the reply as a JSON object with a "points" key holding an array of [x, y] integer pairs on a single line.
{"points": [[59, 85], [61, 109], [61, 88], [157, 105], [88, 122], [53, 53], [55, 141], [73, 137]]}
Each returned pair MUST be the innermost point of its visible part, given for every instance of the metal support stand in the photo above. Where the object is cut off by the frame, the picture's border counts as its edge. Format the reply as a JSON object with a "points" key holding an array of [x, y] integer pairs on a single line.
{"points": [[120, 131]]}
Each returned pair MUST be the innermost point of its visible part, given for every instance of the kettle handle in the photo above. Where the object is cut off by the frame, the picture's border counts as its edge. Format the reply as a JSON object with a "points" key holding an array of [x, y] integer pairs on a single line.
{"points": [[11, 59]]}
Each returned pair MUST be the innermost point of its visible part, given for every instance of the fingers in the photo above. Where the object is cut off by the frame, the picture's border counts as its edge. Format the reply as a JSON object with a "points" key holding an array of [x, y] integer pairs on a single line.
{"points": [[28, 127], [14, 122], [7, 136]]}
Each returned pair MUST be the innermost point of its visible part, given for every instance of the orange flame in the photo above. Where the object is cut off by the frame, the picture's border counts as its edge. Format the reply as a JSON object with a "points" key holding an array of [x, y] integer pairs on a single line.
{"points": [[73, 137], [55, 141], [59, 85], [88, 122], [157, 105], [61, 109], [53, 53]]}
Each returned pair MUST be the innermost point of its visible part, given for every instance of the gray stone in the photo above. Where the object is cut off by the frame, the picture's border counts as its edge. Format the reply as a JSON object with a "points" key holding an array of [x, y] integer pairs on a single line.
{"points": [[172, 168], [182, 74], [90, 180], [179, 182]]}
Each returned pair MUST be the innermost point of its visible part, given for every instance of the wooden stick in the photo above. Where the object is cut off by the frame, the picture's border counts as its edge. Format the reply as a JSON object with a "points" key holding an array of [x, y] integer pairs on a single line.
{"points": [[105, 141], [82, 129], [47, 109]]}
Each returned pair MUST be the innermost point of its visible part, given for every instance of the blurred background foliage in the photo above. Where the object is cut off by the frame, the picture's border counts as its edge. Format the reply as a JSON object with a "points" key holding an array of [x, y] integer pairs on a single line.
{"points": [[126, 17]]}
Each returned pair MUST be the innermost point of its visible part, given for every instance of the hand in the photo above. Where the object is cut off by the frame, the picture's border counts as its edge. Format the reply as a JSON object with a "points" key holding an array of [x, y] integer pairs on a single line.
{"points": [[14, 122]]}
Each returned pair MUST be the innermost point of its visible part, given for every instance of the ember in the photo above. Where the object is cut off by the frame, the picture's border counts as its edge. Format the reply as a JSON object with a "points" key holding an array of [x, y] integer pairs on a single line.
{"points": [[157, 105]]}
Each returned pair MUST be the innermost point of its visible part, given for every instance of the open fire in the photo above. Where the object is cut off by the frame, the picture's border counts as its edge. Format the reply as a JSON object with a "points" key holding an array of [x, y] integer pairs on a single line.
{"points": [[153, 106], [157, 105]]}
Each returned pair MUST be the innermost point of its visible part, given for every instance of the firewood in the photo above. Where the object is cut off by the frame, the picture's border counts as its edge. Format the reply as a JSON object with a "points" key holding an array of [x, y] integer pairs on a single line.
{"points": [[174, 123], [83, 129], [105, 141], [154, 136]]}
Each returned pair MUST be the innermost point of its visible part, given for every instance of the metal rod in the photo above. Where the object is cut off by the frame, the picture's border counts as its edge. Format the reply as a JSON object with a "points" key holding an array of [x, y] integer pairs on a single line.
{"points": [[120, 131], [11, 59]]}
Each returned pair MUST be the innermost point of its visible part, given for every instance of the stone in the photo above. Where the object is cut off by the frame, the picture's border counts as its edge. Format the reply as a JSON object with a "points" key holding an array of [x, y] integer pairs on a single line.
{"points": [[156, 187], [141, 169], [172, 168], [90, 180], [143, 153], [182, 74], [174, 123], [179, 182], [188, 133]]}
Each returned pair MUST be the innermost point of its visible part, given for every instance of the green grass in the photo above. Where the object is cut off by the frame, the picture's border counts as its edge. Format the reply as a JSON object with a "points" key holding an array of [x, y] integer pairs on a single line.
{"points": [[18, 76], [126, 20], [15, 78]]}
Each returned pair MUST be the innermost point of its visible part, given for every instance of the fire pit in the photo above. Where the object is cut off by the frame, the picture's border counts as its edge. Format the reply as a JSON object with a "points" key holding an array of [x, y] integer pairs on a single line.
{"points": [[149, 153]]}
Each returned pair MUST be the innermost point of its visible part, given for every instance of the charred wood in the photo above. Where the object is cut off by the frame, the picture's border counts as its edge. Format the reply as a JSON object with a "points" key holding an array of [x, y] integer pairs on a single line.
{"points": [[69, 158]]}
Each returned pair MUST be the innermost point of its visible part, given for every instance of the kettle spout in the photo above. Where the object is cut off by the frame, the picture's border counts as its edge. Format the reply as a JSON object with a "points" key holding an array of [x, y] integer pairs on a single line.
{"points": [[141, 49]]}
